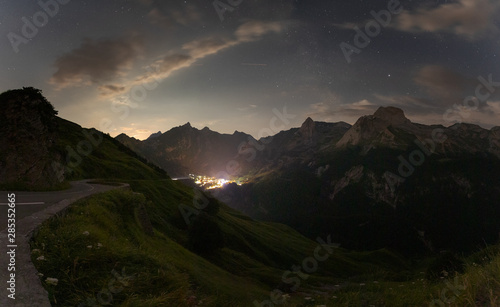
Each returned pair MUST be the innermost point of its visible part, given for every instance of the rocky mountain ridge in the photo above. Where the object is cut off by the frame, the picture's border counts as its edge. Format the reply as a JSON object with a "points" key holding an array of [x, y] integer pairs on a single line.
{"points": [[185, 149], [364, 183]]}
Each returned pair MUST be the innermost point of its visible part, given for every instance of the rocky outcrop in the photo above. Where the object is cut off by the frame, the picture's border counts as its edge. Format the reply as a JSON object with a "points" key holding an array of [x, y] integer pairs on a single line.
{"points": [[353, 175], [388, 127], [307, 130], [28, 134], [392, 115], [373, 130]]}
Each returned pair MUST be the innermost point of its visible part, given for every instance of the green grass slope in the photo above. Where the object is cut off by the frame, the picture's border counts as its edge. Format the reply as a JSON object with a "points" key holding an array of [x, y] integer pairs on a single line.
{"points": [[100, 250], [92, 154]]}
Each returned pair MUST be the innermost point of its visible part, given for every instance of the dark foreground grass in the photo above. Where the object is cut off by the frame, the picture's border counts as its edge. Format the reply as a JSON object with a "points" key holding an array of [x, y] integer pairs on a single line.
{"points": [[100, 237], [100, 253]]}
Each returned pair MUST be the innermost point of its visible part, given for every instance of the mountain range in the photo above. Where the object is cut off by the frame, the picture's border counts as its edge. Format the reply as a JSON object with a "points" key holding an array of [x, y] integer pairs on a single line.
{"points": [[384, 186], [365, 182], [155, 242], [185, 149]]}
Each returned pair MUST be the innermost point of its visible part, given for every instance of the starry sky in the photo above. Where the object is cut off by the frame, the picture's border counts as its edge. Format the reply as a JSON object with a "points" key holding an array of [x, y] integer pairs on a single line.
{"points": [[142, 66]]}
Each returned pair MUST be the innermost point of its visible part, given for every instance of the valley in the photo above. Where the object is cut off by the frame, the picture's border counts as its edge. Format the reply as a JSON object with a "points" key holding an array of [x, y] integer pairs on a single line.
{"points": [[311, 220], [358, 182]]}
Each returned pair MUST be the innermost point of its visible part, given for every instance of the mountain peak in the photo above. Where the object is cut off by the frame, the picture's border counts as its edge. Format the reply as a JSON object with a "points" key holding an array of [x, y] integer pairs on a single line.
{"points": [[374, 128], [154, 135], [307, 129], [308, 121], [392, 115]]}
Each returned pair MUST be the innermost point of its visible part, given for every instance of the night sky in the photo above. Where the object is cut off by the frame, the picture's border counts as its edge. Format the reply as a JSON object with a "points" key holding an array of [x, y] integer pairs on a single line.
{"points": [[142, 66]]}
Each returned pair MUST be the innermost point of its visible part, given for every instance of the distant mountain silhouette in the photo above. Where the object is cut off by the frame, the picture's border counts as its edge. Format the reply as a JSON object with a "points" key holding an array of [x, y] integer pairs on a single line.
{"points": [[383, 182], [184, 149]]}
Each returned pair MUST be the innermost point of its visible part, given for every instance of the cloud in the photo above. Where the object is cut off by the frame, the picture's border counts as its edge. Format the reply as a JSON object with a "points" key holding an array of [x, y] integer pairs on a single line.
{"points": [[358, 108], [207, 123], [174, 62], [95, 62], [467, 18], [486, 116], [405, 102], [471, 19], [200, 48], [247, 32], [207, 46], [441, 83], [253, 30], [493, 107], [98, 67], [348, 112], [164, 67], [250, 107], [111, 89]]}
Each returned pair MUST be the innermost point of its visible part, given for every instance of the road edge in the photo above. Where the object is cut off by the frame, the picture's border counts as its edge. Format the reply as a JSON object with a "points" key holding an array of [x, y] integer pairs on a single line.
{"points": [[29, 289]]}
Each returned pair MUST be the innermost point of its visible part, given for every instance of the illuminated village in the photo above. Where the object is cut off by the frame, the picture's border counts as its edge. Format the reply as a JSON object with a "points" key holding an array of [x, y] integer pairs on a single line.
{"points": [[210, 183]]}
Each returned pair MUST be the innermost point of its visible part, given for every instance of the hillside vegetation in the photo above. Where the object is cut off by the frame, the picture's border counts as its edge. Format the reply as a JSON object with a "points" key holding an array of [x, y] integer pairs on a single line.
{"points": [[101, 250], [107, 232], [90, 153]]}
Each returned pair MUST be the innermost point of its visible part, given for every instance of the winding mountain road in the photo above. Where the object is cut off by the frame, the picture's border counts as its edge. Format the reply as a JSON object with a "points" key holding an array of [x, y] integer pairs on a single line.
{"points": [[32, 209], [28, 203]]}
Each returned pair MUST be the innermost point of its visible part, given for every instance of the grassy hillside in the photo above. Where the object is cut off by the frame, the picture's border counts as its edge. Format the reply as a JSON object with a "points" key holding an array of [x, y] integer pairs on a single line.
{"points": [[105, 234], [135, 248], [105, 158], [100, 250]]}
